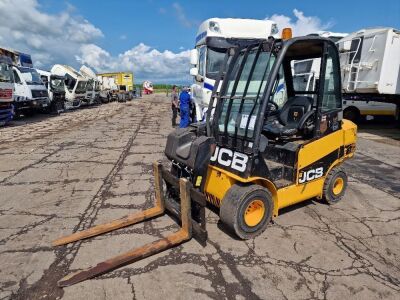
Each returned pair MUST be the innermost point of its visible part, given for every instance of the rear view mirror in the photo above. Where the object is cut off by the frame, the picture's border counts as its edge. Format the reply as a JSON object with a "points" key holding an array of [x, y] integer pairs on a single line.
{"points": [[194, 71], [193, 57]]}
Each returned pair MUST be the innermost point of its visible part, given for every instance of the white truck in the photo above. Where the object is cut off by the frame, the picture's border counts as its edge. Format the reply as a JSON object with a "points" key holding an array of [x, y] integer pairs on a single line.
{"points": [[6, 90], [75, 85], [29, 92], [213, 38], [93, 85], [108, 89], [56, 90], [370, 67], [356, 104]]}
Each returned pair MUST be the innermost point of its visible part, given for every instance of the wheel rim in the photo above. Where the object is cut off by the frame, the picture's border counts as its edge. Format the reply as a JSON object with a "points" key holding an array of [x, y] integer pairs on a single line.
{"points": [[338, 186], [254, 213]]}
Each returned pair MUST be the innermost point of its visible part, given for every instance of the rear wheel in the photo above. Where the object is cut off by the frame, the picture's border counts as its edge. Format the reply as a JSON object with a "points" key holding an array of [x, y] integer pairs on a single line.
{"points": [[246, 210], [335, 186]]}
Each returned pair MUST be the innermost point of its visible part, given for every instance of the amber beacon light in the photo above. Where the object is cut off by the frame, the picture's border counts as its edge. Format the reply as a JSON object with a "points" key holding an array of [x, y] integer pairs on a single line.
{"points": [[286, 33]]}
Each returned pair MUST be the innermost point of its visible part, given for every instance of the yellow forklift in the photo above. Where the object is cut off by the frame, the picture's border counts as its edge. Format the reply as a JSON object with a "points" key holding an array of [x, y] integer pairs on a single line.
{"points": [[271, 141]]}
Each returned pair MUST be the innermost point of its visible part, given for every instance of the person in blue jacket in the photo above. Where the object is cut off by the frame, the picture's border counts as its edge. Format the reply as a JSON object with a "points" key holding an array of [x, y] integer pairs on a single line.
{"points": [[184, 105]]}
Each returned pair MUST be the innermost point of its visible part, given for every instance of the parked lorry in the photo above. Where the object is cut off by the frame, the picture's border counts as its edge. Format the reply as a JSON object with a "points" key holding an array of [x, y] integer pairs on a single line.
{"points": [[75, 85], [123, 82], [213, 38], [6, 90], [56, 89], [93, 85], [108, 89], [148, 87], [370, 67], [356, 104], [29, 92]]}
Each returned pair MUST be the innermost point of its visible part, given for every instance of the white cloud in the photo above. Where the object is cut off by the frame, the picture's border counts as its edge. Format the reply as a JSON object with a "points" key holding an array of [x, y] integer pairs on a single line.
{"points": [[302, 24], [67, 38], [50, 38], [123, 37], [180, 13], [146, 62]]}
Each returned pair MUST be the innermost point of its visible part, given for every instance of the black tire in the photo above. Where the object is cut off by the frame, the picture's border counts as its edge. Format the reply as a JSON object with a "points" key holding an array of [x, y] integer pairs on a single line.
{"points": [[352, 114], [234, 205], [334, 176]]}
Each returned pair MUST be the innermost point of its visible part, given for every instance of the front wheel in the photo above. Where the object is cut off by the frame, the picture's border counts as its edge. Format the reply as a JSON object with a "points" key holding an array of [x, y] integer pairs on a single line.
{"points": [[246, 210], [335, 186]]}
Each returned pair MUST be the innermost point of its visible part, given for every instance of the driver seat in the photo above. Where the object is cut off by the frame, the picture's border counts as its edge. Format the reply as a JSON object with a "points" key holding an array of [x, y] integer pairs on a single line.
{"points": [[290, 118]]}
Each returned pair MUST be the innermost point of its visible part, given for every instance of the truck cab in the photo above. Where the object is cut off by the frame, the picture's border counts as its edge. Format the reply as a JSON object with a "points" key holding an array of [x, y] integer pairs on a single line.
{"points": [[6, 90], [213, 38], [75, 85], [56, 90], [93, 85], [30, 93]]}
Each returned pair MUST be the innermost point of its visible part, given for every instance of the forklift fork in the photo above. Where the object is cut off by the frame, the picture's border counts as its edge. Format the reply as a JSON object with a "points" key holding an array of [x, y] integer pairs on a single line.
{"points": [[184, 233]]}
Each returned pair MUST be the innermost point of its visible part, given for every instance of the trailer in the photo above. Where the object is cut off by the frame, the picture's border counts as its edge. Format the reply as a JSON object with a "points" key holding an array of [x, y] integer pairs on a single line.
{"points": [[6, 90], [370, 67], [75, 85], [357, 103], [214, 37]]}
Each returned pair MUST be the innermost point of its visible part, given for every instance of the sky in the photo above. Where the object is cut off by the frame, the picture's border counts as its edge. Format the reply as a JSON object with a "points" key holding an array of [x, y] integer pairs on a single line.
{"points": [[153, 38]]}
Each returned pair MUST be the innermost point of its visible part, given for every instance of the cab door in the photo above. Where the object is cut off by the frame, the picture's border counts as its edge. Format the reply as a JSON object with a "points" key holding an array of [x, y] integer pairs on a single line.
{"points": [[330, 98], [19, 89]]}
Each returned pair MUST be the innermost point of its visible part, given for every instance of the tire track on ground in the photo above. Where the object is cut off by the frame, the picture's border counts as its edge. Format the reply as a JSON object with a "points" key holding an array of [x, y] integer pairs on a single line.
{"points": [[46, 286]]}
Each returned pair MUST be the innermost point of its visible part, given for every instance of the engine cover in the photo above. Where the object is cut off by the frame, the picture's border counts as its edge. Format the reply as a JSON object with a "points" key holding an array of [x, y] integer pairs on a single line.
{"points": [[189, 147]]}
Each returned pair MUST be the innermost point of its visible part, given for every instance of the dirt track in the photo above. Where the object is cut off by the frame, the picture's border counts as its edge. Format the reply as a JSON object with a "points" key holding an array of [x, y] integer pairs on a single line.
{"points": [[67, 173]]}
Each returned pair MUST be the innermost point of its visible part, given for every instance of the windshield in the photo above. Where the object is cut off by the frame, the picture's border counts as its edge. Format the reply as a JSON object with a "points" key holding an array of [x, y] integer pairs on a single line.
{"points": [[57, 84], [31, 76], [89, 86], [70, 82], [5, 73], [242, 97], [81, 87], [215, 59]]}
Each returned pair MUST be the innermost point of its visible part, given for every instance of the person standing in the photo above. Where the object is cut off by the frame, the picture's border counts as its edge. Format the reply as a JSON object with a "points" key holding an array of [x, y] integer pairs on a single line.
{"points": [[174, 105], [184, 106]]}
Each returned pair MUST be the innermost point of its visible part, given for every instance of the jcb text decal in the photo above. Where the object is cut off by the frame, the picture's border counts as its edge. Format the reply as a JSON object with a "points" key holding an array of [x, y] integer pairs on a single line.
{"points": [[312, 174], [229, 158]]}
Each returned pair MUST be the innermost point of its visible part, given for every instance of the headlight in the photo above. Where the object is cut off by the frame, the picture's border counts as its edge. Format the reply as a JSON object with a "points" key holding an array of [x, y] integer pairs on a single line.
{"points": [[214, 26], [274, 29]]}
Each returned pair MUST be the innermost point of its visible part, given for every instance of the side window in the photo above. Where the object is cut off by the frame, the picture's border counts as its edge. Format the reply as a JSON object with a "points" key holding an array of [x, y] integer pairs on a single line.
{"points": [[16, 77], [331, 98], [202, 59], [305, 74], [280, 93]]}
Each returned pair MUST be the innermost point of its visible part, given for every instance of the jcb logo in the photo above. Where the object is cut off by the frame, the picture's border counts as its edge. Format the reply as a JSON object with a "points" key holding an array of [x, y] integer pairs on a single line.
{"points": [[311, 174], [229, 158]]}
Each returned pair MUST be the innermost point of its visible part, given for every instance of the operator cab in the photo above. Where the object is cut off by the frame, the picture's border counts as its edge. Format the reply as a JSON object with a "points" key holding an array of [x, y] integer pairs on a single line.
{"points": [[263, 96], [266, 112]]}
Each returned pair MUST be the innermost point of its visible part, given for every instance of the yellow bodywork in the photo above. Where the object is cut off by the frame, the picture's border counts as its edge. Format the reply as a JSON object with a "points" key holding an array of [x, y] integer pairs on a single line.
{"points": [[219, 180], [121, 78]]}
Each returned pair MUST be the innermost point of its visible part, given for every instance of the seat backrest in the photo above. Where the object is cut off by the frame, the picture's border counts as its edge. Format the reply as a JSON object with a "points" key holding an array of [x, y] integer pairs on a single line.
{"points": [[294, 109]]}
